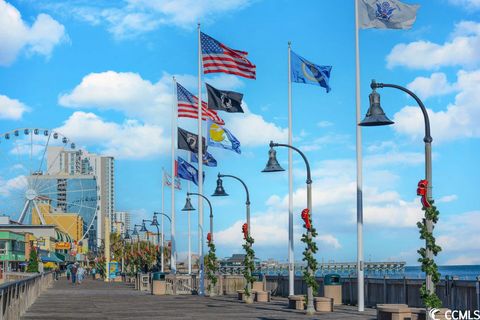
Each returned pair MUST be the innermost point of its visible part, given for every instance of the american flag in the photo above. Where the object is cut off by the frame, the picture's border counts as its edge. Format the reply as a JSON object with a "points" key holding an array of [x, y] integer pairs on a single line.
{"points": [[188, 107], [219, 58]]}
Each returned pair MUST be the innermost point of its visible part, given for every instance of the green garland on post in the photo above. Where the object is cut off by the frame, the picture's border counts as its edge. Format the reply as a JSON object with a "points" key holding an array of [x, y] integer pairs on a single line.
{"points": [[309, 252], [211, 264], [249, 260], [431, 300]]}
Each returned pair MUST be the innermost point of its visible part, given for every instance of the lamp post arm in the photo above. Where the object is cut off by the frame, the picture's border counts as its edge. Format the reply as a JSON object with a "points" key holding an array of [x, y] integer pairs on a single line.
{"points": [[241, 181], [428, 138], [309, 175], [201, 195], [163, 214]]}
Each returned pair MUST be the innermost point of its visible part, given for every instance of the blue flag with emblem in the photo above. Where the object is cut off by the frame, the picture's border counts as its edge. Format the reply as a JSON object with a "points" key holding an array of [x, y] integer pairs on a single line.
{"points": [[220, 137], [208, 159], [303, 71], [186, 171]]}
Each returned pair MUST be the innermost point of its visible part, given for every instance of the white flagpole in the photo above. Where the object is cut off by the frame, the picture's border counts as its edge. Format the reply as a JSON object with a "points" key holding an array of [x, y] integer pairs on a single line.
{"points": [[200, 165], [173, 258], [189, 229], [163, 211], [360, 272], [291, 262]]}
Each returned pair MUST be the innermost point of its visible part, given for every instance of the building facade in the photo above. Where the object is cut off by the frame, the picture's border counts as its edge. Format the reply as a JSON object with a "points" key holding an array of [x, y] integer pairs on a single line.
{"points": [[122, 222], [80, 163]]}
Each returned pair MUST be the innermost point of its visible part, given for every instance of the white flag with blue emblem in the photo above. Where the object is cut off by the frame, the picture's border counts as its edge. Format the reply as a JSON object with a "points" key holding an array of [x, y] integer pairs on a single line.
{"points": [[386, 14]]}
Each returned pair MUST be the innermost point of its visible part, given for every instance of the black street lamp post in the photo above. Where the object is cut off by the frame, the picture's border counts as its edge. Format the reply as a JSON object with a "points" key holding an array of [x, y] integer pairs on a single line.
{"points": [[376, 117], [274, 166], [188, 207], [163, 240], [219, 192]]}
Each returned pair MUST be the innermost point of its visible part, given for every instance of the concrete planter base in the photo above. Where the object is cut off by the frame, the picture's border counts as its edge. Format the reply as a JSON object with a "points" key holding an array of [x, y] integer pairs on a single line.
{"points": [[323, 304], [262, 296], [296, 302], [393, 312]]}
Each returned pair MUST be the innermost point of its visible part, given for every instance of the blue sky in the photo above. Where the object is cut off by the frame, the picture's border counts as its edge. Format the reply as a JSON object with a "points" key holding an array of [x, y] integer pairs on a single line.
{"points": [[101, 75]]}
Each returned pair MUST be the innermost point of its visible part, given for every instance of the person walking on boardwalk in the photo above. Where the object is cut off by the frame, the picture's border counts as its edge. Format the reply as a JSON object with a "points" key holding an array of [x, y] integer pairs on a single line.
{"points": [[93, 273], [69, 273], [74, 274], [80, 274]]}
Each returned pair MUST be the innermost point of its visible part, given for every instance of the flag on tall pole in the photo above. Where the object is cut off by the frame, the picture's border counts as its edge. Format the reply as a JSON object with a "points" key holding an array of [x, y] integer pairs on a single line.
{"points": [[291, 256], [188, 104], [190, 142], [208, 159], [223, 100], [217, 57], [304, 71], [186, 171], [386, 14], [221, 137], [201, 270], [173, 264], [380, 14]]}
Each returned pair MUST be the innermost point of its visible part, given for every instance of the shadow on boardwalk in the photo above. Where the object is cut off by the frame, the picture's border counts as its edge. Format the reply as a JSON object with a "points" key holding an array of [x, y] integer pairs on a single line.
{"points": [[100, 300]]}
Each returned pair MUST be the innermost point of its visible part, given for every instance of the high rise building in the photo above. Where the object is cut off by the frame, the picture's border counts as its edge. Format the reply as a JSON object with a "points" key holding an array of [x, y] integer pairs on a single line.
{"points": [[104, 170], [73, 163], [123, 222]]}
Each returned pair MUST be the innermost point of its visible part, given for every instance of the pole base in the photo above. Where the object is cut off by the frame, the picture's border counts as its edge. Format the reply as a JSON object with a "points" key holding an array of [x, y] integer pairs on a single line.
{"points": [[310, 311]]}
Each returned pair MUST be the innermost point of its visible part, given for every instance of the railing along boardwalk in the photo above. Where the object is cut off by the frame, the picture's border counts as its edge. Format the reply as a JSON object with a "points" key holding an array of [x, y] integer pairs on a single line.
{"points": [[18, 295], [95, 299]]}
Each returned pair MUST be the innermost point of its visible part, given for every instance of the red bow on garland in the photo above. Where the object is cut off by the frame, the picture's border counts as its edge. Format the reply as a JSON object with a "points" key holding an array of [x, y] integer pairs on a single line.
{"points": [[306, 218], [422, 191], [245, 230], [209, 237]]}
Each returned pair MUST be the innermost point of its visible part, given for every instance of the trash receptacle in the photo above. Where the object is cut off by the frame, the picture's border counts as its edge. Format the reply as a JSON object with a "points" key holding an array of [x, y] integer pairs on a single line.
{"points": [[333, 288], [258, 284], [159, 286]]}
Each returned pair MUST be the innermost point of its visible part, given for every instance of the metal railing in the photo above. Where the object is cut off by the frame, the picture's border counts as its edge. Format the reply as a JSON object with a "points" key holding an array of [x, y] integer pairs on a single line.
{"points": [[16, 297]]}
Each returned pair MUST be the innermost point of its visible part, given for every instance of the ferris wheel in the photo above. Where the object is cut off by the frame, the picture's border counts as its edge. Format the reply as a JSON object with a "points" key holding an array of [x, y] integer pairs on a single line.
{"points": [[45, 179]]}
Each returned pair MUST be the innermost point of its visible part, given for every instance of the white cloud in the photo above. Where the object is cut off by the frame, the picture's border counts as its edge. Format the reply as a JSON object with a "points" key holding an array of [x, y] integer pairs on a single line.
{"points": [[137, 17], [468, 4], [126, 92], [151, 103], [462, 50], [11, 109], [449, 198], [436, 85], [11, 185], [248, 126], [458, 120], [131, 139], [458, 236], [16, 35], [324, 124], [269, 229]]}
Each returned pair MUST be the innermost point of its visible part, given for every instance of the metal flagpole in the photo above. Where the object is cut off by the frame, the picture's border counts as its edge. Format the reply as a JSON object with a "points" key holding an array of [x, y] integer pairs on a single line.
{"points": [[291, 262], [163, 211], [360, 273], [200, 165], [189, 229], [173, 266]]}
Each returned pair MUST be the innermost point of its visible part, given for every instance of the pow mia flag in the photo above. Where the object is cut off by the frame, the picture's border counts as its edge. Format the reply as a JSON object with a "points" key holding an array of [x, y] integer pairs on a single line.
{"points": [[228, 101], [189, 141]]}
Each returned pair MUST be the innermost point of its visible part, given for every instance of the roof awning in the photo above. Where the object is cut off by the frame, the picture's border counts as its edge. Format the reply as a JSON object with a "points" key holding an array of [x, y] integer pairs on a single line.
{"points": [[50, 259], [60, 256]]}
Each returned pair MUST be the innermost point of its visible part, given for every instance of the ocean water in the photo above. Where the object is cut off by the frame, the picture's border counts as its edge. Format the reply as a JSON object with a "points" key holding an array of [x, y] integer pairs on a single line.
{"points": [[461, 272], [467, 272]]}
